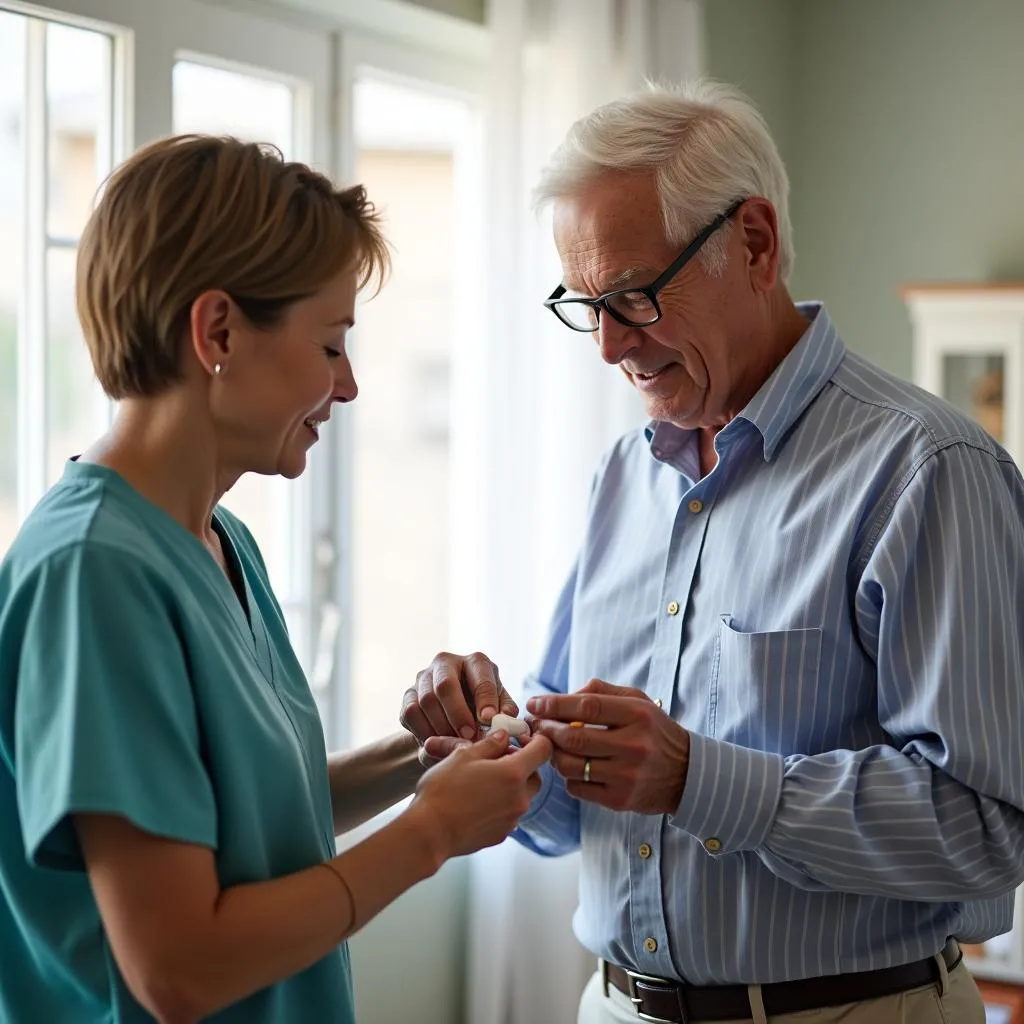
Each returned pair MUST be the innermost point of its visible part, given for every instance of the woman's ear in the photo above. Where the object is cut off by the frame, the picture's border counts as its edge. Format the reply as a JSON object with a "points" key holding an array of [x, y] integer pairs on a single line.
{"points": [[210, 330]]}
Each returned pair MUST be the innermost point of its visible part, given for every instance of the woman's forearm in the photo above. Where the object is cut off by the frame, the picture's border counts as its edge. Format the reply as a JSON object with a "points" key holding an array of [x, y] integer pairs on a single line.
{"points": [[366, 781], [273, 930], [187, 949]]}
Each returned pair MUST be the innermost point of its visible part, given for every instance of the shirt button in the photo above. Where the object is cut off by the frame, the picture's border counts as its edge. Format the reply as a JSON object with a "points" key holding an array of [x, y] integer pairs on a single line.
{"points": [[695, 506], [644, 851], [651, 945], [713, 845], [673, 608]]}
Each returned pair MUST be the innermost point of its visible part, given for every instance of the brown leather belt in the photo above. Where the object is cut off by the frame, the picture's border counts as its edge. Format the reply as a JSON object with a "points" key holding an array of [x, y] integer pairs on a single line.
{"points": [[662, 1000]]}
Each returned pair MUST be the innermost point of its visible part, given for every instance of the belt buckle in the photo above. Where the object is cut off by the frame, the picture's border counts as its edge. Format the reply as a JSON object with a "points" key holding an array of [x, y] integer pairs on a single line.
{"points": [[632, 977]]}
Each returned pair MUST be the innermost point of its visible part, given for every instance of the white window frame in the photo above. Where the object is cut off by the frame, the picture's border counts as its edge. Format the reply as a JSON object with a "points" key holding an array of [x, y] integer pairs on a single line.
{"points": [[326, 43], [113, 145]]}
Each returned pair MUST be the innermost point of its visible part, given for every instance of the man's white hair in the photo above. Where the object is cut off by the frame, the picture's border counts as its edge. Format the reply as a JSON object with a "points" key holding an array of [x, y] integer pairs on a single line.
{"points": [[708, 146]]}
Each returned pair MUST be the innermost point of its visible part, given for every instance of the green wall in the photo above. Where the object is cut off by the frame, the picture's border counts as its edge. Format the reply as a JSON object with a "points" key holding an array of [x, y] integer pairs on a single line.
{"points": [[748, 43], [904, 137]]}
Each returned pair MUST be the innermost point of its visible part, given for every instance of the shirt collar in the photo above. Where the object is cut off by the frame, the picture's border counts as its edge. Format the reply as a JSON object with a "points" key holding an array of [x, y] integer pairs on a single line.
{"points": [[783, 397]]}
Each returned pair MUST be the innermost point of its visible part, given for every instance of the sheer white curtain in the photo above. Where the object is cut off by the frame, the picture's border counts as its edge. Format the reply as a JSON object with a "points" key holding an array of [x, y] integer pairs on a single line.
{"points": [[551, 408]]}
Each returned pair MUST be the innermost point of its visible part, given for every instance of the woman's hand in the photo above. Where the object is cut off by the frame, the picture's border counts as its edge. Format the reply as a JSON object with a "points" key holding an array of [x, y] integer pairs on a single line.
{"points": [[477, 794]]}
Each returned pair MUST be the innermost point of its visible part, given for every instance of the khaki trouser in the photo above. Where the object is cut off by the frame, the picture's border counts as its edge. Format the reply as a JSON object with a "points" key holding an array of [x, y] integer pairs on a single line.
{"points": [[955, 1000]]}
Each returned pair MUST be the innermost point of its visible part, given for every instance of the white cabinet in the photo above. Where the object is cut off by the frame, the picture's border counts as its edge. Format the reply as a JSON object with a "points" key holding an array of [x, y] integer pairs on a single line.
{"points": [[969, 348]]}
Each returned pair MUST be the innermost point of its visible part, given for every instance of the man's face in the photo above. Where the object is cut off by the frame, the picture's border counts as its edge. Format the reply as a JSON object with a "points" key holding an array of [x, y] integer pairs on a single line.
{"points": [[703, 360]]}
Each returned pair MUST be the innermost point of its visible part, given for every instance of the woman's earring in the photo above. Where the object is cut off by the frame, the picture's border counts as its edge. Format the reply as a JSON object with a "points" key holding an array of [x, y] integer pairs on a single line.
{"points": [[217, 368]]}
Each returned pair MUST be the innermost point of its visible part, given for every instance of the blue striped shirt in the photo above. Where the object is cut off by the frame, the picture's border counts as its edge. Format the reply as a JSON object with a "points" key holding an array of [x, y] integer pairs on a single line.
{"points": [[848, 655]]}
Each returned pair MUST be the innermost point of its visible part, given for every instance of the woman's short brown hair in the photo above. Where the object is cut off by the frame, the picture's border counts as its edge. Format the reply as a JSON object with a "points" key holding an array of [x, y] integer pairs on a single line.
{"points": [[195, 212]]}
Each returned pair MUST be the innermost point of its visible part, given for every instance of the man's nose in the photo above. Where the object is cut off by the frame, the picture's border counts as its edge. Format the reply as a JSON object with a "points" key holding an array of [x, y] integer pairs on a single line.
{"points": [[613, 339]]}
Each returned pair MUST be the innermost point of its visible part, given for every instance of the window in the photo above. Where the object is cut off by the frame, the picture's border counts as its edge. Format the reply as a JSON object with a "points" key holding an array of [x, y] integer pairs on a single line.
{"points": [[406, 154], [74, 93], [58, 141], [221, 101]]}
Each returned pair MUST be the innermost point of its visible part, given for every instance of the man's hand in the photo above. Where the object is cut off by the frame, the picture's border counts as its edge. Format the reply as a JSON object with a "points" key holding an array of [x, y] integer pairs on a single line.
{"points": [[453, 695], [638, 760]]}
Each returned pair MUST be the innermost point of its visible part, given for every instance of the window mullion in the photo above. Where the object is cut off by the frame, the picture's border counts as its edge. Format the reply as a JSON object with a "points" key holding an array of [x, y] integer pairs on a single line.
{"points": [[32, 396]]}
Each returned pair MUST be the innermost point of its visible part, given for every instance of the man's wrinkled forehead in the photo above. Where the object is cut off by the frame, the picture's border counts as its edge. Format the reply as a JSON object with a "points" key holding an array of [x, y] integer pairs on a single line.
{"points": [[610, 235]]}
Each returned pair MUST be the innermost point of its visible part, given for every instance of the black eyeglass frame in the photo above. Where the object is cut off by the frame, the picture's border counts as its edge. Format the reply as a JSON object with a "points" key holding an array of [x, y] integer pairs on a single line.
{"points": [[554, 300]]}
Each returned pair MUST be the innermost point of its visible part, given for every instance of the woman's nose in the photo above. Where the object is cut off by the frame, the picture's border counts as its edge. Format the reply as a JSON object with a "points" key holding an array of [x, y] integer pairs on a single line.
{"points": [[345, 387]]}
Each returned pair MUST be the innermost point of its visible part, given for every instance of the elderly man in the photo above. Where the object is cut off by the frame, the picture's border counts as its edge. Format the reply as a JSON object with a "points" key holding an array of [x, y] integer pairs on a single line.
{"points": [[784, 680]]}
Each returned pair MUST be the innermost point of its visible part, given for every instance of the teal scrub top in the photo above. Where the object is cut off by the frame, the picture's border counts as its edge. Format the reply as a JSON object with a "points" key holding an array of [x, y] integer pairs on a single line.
{"points": [[134, 682]]}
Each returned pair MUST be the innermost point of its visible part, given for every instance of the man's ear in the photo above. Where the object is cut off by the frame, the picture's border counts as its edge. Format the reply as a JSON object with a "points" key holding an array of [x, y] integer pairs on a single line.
{"points": [[210, 329], [760, 235]]}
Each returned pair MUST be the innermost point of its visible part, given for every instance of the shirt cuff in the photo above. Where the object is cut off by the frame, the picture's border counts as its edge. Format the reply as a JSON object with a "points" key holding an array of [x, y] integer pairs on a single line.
{"points": [[730, 797], [547, 774]]}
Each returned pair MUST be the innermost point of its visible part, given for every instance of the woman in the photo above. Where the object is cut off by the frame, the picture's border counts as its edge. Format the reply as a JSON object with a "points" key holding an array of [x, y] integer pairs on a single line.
{"points": [[168, 809]]}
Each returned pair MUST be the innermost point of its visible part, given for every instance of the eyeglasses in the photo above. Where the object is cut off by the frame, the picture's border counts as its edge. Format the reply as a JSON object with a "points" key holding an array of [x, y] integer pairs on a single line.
{"points": [[634, 307]]}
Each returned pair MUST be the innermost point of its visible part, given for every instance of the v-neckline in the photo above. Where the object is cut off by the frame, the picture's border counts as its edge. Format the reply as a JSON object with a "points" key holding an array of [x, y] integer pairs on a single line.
{"points": [[233, 570], [244, 607]]}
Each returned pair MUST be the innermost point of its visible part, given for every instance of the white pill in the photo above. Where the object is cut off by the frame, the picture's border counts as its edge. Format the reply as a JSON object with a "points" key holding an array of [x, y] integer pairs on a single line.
{"points": [[513, 726]]}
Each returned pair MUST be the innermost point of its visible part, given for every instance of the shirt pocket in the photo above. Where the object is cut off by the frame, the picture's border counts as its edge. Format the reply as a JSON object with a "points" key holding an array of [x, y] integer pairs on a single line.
{"points": [[765, 687]]}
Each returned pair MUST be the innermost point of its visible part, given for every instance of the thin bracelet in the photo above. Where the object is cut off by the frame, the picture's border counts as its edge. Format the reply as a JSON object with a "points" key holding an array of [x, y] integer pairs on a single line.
{"points": [[348, 890]]}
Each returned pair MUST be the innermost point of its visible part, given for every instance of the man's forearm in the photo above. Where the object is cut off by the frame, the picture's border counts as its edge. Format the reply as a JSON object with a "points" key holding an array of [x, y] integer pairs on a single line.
{"points": [[876, 822], [368, 780], [885, 822]]}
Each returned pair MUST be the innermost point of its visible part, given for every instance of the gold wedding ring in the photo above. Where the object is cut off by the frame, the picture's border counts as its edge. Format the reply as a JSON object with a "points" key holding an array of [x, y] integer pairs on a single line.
{"points": [[586, 770]]}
